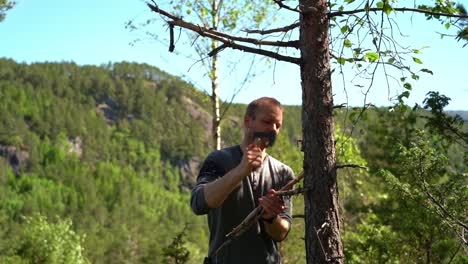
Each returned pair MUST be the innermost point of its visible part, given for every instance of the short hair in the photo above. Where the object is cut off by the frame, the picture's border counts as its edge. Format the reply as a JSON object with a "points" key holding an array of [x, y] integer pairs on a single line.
{"points": [[261, 102]]}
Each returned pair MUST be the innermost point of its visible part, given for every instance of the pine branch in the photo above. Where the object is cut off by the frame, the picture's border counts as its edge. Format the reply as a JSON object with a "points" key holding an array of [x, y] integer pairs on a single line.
{"points": [[229, 40], [274, 30], [281, 5], [341, 166], [291, 192], [399, 9]]}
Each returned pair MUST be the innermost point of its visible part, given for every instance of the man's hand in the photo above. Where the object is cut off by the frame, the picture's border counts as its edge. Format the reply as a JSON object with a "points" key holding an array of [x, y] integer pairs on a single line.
{"points": [[276, 227], [272, 205], [251, 160]]}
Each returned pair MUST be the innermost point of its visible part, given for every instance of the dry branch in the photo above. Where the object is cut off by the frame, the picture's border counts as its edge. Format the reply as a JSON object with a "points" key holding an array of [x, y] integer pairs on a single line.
{"points": [[230, 40], [399, 9], [281, 5], [291, 192], [341, 166], [274, 30]]}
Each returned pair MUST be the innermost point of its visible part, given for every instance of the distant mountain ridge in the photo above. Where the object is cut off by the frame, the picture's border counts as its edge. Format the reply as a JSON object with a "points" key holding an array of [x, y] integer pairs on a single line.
{"points": [[463, 114]]}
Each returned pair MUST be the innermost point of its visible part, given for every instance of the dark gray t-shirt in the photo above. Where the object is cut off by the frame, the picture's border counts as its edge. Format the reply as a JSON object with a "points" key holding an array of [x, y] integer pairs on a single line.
{"points": [[254, 246]]}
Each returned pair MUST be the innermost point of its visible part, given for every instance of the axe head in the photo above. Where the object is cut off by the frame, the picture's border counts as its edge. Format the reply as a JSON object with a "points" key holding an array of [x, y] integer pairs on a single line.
{"points": [[267, 137]]}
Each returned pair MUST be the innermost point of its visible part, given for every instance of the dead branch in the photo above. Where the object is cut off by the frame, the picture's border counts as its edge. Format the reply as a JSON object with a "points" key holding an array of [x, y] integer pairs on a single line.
{"points": [[399, 9], [267, 53], [341, 166], [229, 40], [209, 32], [217, 50], [343, 105], [291, 192], [171, 36], [281, 5], [274, 30]]}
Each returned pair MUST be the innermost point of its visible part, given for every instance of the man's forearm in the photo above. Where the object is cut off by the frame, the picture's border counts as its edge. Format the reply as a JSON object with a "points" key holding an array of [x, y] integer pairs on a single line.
{"points": [[217, 191], [278, 229]]}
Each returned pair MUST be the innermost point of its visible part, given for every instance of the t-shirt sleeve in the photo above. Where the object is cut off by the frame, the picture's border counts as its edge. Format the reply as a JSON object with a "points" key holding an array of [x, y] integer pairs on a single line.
{"points": [[208, 173]]}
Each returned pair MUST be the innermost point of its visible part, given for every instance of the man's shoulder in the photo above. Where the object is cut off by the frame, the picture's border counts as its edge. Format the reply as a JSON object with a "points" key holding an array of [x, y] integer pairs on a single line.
{"points": [[225, 152], [277, 163], [280, 166], [226, 156]]}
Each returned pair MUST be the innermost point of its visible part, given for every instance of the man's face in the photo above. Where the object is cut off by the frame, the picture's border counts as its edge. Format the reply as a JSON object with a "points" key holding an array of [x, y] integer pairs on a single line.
{"points": [[267, 119]]}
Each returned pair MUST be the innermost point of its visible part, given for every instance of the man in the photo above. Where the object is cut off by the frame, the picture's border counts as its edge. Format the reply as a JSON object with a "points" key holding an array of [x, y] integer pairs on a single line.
{"points": [[235, 180]]}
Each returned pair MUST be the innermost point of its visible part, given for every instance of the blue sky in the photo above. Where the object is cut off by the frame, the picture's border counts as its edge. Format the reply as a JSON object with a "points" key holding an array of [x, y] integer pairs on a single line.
{"points": [[93, 32]]}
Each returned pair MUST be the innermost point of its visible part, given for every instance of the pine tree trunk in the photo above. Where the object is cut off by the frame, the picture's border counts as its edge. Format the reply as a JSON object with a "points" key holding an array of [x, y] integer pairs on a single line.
{"points": [[323, 241]]}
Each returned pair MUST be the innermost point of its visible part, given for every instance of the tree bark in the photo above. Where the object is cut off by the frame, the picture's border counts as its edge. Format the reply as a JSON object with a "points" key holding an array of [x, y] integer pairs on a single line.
{"points": [[216, 123], [323, 240]]}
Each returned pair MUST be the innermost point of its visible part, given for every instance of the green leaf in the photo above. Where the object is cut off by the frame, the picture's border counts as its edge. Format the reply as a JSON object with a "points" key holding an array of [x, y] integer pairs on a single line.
{"points": [[380, 4], [415, 76], [427, 71], [407, 86], [417, 60], [344, 29], [391, 60], [447, 25], [341, 60], [347, 43], [372, 56], [387, 8]]}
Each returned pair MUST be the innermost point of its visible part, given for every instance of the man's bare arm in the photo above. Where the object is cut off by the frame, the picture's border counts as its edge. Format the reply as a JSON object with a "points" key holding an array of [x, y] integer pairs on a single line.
{"points": [[217, 191], [278, 229]]}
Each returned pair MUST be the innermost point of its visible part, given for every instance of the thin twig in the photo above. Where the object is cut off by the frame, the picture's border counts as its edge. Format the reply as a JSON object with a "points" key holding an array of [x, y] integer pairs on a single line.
{"points": [[274, 30], [340, 166], [281, 5]]}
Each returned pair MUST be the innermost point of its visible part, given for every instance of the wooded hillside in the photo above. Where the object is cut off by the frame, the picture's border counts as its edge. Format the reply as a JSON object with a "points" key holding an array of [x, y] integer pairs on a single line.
{"points": [[96, 166]]}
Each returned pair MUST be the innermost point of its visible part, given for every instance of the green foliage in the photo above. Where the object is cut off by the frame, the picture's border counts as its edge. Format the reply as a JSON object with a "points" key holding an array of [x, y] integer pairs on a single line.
{"points": [[176, 252], [51, 243], [4, 7], [413, 196], [100, 155], [104, 147]]}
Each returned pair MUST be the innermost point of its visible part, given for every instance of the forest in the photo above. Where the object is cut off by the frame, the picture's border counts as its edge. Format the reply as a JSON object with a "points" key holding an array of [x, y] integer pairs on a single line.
{"points": [[97, 164]]}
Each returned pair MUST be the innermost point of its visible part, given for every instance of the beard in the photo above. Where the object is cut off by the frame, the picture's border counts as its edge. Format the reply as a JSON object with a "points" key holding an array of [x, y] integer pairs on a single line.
{"points": [[263, 139]]}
